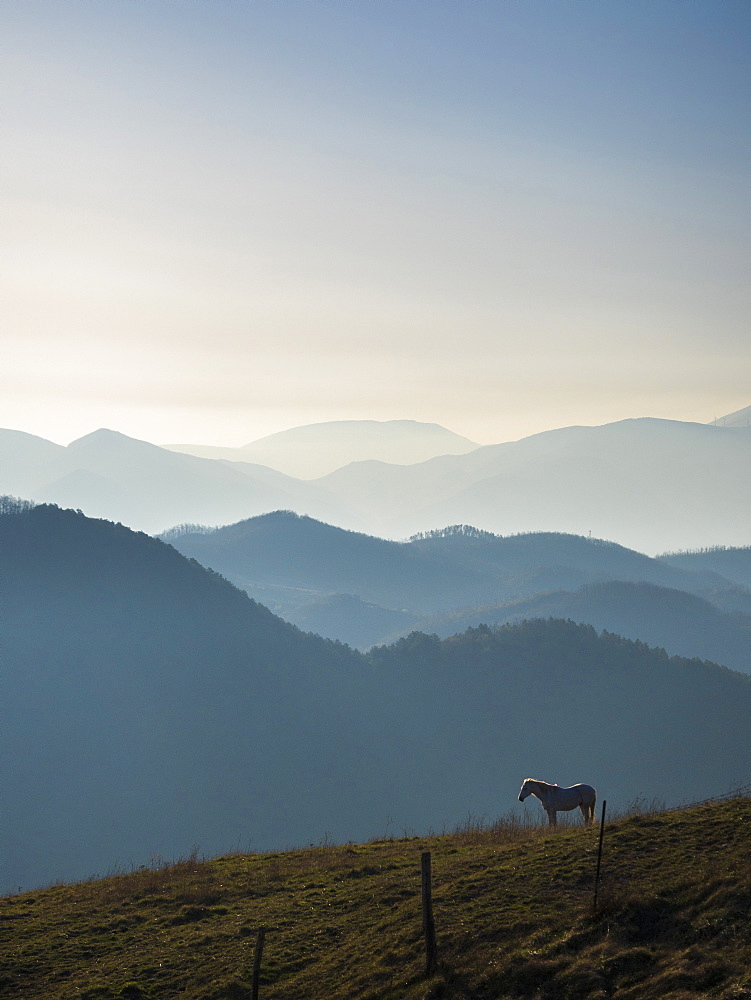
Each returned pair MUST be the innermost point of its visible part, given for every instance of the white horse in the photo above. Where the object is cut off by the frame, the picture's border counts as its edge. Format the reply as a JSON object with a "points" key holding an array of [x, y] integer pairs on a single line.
{"points": [[556, 799]]}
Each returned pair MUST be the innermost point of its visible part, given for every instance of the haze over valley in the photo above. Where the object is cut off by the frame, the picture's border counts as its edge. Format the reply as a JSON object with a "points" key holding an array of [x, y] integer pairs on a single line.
{"points": [[376, 434]]}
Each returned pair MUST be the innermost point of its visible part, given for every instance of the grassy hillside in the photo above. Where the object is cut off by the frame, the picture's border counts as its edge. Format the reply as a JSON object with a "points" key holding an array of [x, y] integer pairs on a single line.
{"points": [[513, 911]]}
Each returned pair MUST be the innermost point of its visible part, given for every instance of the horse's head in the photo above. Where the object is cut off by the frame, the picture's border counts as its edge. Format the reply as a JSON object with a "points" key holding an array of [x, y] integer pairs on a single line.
{"points": [[525, 790]]}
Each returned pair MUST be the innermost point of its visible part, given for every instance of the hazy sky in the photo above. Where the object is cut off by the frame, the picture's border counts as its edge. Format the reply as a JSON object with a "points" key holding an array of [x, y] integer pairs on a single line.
{"points": [[223, 218]]}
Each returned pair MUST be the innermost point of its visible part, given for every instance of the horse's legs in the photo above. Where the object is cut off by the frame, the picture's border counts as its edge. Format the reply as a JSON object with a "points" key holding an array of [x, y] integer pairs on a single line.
{"points": [[551, 817], [584, 812]]}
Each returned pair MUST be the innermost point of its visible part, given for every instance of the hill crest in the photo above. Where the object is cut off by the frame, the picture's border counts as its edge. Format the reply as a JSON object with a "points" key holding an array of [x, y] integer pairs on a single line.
{"points": [[314, 450]]}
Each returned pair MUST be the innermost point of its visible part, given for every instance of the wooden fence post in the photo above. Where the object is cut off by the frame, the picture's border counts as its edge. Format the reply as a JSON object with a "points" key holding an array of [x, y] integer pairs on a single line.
{"points": [[599, 857], [428, 922], [257, 963]]}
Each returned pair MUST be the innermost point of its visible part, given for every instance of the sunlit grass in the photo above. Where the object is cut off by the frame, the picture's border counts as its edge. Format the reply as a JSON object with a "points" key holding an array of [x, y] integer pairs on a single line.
{"points": [[513, 910]]}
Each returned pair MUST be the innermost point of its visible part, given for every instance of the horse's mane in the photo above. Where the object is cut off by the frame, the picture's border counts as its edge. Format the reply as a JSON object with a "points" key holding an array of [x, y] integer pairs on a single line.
{"points": [[537, 781]]}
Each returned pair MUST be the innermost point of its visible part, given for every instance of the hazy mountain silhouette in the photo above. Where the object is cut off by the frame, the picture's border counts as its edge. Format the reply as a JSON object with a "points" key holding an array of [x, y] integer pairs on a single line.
{"points": [[310, 560], [351, 620], [544, 559], [107, 474], [740, 418], [649, 484], [24, 461], [457, 567], [731, 563], [149, 705], [681, 623], [317, 449], [362, 590]]}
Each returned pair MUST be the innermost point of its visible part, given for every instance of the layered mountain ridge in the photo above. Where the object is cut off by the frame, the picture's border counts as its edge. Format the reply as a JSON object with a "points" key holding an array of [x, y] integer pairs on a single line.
{"points": [[364, 590], [652, 485]]}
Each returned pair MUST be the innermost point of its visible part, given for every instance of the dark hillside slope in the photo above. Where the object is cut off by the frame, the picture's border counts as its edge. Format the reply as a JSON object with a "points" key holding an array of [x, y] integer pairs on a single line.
{"points": [[513, 913], [149, 705]]}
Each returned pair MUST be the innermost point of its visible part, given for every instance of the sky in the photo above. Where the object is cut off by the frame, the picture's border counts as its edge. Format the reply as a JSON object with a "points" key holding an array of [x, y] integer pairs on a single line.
{"points": [[225, 218]]}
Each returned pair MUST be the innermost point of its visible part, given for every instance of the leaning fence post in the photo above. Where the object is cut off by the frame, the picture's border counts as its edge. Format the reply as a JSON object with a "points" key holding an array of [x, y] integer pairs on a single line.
{"points": [[599, 857], [428, 923], [257, 963]]}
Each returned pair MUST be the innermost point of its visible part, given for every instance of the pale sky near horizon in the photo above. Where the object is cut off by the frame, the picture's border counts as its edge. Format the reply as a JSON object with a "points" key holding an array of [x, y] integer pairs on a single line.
{"points": [[223, 218]]}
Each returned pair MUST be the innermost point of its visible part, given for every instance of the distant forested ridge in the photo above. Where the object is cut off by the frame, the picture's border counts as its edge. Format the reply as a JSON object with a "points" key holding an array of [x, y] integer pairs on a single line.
{"points": [[660, 616], [732, 563], [364, 590], [150, 705]]}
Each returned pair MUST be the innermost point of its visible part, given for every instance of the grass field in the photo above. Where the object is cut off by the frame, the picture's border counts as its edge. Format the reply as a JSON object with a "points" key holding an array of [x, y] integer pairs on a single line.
{"points": [[512, 904]]}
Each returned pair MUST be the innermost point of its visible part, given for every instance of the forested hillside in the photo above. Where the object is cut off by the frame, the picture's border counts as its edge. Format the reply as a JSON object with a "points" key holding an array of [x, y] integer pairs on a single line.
{"points": [[295, 557], [149, 706], [683, 623], [364, 590], [457, 566], [732, 563]]}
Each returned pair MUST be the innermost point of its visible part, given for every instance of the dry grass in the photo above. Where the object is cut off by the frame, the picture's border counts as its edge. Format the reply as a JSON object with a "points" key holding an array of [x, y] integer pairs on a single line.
{"points": [[513, 908]]}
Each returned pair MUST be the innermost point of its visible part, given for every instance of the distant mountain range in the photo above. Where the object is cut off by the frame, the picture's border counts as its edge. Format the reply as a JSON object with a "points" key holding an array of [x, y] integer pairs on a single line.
{"points": [[316, 449], [649, 484], [364, 590], [109, 475], [149, 705]]}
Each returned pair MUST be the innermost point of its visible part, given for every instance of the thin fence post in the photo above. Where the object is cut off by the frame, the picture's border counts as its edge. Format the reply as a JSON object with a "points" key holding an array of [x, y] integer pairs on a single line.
{"points": [[257, 962], [599, 857], [428, 922]]}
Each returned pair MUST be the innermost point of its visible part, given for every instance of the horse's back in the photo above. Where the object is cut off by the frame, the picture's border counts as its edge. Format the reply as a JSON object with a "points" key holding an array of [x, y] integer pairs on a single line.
{"points": [[586, 791]]}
